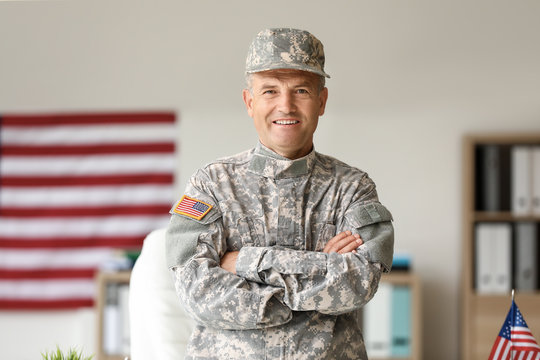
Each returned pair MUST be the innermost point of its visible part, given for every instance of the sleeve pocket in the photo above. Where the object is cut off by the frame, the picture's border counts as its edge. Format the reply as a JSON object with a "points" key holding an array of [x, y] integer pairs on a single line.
{"points": [[374, 224], [367, 214]]}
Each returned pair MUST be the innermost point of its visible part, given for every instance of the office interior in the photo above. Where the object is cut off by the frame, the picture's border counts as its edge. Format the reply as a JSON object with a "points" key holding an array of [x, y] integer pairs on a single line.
{"points": [[409, 79]]}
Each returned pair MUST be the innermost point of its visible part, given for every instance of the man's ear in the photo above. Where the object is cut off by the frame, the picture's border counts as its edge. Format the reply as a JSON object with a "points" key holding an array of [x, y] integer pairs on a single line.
{"points": [[323, 97], [248, 100]]}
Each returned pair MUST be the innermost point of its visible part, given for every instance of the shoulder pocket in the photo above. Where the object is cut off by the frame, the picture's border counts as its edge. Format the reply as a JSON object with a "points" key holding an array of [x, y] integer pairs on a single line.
{"points": [[184, 229]]}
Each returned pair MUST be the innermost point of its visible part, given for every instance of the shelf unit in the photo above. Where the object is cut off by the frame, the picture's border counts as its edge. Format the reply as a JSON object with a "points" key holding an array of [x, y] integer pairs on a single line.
{"points": [[410, 279], [102, 280], [482, 315]]}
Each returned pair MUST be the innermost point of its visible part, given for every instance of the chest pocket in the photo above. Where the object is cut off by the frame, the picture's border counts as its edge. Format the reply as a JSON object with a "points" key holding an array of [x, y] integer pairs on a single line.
{"points": [[243, 226], [251, 232], [322, 234], [321, 227]]}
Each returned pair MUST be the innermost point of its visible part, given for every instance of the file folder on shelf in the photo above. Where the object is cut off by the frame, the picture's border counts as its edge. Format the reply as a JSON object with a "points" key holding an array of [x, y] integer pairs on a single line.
{"points": [[526, 269], [401, 321], [493, 258], [536, 180], [377, 322], [521, 180]]}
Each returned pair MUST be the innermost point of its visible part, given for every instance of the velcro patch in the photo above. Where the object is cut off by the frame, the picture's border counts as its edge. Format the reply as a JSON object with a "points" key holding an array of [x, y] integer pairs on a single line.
{"points": [[192, 208]]}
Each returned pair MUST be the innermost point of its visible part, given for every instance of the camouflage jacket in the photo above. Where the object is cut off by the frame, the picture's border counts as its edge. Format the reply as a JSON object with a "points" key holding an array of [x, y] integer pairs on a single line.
{"points": [[288, 300]]}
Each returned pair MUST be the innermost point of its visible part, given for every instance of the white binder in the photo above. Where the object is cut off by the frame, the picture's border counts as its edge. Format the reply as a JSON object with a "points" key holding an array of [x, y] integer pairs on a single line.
{"points": [[493, 258], [483, 257], [536, 180], [521, 180], [377, 322], [502, 264]]}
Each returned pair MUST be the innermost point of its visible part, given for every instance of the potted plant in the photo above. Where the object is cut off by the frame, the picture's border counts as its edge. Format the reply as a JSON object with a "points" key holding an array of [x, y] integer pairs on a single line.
{"points": [[72, 354]]}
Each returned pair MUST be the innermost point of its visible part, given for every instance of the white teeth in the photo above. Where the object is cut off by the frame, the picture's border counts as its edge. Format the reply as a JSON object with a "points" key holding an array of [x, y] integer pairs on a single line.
{"points": [[286, 122]]}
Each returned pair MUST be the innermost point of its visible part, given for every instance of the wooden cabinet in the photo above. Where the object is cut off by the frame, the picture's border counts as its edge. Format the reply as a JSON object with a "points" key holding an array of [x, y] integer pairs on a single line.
{"points": [[483, 312], [104, 281], [412, 281]]}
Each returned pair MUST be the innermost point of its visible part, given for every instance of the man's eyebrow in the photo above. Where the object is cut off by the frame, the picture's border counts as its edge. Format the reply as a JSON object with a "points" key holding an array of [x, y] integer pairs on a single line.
{"points": [[267, 85], [306, 83]]}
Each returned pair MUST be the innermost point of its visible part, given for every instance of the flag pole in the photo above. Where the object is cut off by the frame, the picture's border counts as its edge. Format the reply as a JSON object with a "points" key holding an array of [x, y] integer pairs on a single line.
{"points": [[513, 317]]}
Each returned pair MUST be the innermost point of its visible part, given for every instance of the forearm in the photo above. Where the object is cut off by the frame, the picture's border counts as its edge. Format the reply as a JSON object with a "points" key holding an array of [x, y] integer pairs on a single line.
{"points": [[213, 296], [226, 301], [329, 283]]}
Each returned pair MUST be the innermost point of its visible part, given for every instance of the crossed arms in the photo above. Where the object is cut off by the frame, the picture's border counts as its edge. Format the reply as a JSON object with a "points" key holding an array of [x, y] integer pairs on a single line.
{"points": [[259, 287], [342, 243]]}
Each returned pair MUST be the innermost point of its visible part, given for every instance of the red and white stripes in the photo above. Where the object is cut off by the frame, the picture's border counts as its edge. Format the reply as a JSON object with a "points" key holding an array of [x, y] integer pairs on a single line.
{"points": [[73, 188]]}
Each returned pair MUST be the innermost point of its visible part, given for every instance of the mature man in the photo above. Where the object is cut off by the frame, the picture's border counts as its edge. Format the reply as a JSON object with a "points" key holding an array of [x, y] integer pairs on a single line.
{"points": [[275, 249]]}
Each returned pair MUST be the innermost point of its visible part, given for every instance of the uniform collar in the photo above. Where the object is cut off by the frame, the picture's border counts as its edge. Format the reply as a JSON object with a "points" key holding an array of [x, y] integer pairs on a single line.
{"points": [[270, 164]]}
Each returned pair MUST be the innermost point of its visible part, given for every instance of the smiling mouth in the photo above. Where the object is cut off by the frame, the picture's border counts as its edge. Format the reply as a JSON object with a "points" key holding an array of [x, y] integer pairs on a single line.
{"points": [[286, 122]]}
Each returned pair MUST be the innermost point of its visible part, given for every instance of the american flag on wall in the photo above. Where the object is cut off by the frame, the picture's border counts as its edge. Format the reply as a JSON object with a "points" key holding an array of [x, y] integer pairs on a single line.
{"points": [[73, 188]]}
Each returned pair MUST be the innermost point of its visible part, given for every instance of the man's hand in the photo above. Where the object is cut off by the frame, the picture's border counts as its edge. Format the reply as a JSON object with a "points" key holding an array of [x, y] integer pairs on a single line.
{"points": [[228, 261], [343, 242]]}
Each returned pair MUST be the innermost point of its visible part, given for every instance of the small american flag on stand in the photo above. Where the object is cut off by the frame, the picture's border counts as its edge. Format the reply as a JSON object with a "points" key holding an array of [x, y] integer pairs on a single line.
{"points": [[515, 340]]}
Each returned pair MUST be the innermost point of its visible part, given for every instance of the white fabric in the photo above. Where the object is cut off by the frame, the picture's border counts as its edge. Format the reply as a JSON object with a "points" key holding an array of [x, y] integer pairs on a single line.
{"points": [[160, 328], [88, 134]]}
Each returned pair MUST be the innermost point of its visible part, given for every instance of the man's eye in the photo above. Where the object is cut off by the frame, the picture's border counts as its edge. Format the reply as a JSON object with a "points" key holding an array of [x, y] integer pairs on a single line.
{"points": [[269, 92], [302, 91]]}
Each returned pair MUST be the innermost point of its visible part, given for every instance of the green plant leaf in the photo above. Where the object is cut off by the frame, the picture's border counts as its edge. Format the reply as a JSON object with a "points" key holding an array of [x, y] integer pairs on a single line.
{"points": [[72, 354]]}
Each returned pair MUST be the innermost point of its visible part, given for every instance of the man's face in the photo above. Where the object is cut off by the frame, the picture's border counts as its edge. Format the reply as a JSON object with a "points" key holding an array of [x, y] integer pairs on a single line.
{"points": [[285, 106]]}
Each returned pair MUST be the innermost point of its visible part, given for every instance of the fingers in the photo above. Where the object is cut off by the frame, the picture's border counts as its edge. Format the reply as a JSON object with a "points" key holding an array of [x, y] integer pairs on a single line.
{"points": [[331, 245], [343, 242]]}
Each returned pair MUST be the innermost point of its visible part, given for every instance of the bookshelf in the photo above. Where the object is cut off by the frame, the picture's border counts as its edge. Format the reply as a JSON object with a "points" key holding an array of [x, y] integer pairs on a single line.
{"points": [[490, 194], [412, 281], [103, 280]]}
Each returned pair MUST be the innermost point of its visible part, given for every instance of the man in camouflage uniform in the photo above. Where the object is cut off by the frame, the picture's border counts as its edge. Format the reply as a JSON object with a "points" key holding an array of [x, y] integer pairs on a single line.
{"points": [[276, 249]]}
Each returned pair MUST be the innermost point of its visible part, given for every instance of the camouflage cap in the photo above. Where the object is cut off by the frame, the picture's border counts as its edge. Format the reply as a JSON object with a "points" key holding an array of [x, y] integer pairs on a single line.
{"points": [[286, 48]]}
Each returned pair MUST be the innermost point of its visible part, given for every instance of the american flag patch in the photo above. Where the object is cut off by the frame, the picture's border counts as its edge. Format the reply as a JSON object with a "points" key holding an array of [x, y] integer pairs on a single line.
{"points": [[193, 208]]}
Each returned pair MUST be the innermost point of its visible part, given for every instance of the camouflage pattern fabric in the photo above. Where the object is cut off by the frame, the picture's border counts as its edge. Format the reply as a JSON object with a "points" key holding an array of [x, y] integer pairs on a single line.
{"points": [[288, 300], [286, 48]]}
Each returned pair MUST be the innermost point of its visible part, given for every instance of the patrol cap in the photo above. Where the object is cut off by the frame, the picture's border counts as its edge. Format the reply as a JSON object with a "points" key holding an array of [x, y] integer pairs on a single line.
{"points": [[285, 48]]}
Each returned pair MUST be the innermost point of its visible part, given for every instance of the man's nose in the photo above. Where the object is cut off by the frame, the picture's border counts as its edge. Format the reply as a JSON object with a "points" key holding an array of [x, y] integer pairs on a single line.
{"points": [[286, 103]]}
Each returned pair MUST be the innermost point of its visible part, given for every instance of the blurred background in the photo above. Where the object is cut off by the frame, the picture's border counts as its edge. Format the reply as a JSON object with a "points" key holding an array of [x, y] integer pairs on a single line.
{"points": [[408, 80]]}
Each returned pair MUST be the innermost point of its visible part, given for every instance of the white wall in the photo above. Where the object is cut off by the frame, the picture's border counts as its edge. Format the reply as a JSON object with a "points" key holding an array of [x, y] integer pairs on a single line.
{"points": [[409, 78]]}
